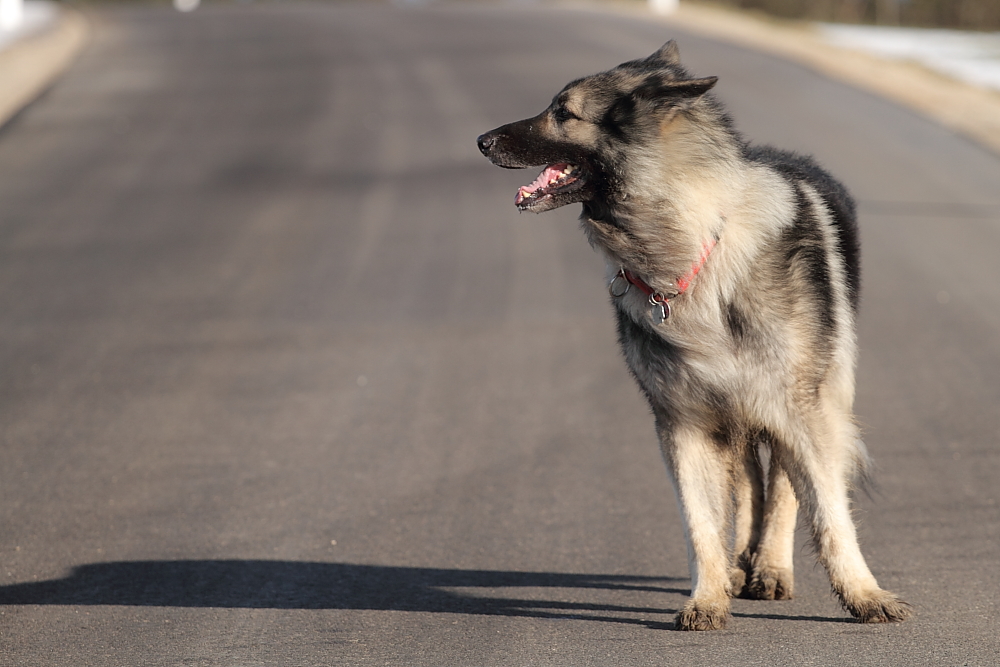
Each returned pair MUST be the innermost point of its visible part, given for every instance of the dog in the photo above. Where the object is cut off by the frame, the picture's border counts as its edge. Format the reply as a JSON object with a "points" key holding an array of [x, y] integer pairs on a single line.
{"points": [[734, 275]]}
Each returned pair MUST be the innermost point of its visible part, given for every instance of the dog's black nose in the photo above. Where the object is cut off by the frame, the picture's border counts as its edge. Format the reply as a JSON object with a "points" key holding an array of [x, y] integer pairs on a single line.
{"points": [[486, 142]]}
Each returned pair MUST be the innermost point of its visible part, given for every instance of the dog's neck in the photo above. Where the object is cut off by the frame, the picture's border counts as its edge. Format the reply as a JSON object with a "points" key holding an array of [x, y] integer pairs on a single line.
{"points": [[661, 249]]}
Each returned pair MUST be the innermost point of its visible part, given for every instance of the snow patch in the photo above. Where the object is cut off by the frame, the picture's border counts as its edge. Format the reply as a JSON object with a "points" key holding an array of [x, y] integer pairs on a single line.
{"points": [[972, 57]]}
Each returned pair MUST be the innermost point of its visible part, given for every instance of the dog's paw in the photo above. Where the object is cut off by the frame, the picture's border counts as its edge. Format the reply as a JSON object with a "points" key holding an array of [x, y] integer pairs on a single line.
{"points": [[878, 607], [702, 616], [770, 584]]}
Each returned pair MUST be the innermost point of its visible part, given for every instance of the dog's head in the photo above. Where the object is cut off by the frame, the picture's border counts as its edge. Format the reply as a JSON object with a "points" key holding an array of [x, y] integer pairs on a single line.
{"points": [[586, 139]]}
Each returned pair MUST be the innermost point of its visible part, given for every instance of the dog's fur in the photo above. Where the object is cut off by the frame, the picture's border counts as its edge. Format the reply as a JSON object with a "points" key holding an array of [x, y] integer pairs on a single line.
{"points": [[751, 378]]}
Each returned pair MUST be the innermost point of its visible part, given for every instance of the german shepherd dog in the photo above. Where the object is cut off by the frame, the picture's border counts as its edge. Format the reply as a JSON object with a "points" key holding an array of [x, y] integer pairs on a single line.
{"points": [[734, 274]]}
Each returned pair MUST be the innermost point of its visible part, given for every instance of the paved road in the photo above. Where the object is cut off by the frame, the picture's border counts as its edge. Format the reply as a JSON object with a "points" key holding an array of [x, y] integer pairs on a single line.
{"points": [[286, 380]]}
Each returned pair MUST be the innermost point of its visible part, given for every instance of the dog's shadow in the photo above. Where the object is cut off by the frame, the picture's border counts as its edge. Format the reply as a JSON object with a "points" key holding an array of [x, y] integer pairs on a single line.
{"points": [[276, 584]]}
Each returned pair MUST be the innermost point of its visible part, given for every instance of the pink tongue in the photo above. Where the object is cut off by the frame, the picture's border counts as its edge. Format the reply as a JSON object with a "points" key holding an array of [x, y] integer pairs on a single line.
{"points": [[549, 174]]}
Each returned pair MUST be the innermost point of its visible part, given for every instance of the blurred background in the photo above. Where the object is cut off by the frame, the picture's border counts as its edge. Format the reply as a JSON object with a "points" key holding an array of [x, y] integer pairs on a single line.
{"points": [[965, 14]]}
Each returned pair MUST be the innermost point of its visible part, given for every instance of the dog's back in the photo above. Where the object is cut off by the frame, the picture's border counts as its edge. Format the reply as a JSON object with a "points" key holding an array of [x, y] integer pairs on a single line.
{"points": [[835, 196]]}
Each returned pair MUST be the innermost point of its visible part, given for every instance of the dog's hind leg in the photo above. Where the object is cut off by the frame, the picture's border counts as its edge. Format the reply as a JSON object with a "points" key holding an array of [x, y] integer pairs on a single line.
{"points": [[748, 497], [701, 477], [771, 574], [819, 462]]}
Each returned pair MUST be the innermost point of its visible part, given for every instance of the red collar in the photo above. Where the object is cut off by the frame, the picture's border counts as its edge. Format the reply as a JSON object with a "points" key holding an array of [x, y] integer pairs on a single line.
{"points": [[682, 283], [659, 299]]}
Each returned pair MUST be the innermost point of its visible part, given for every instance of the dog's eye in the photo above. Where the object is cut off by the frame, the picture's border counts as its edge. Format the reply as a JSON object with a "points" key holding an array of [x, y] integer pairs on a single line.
{"points": [[562, 114]]}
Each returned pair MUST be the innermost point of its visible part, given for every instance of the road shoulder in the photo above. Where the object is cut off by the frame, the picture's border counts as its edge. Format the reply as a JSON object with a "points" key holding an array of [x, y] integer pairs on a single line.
{"points": [[30, 65]]}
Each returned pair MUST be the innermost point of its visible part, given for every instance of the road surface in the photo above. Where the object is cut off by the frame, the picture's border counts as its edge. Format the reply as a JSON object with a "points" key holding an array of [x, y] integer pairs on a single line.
{"points": [[286, 379]]}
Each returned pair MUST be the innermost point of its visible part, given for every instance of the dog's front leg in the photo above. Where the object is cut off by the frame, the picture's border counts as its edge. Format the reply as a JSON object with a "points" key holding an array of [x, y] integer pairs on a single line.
{"points": [[700, 471]]}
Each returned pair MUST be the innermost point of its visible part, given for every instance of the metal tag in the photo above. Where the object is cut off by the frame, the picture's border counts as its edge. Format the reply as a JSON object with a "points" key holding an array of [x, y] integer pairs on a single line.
{"points": [[659, 312]]}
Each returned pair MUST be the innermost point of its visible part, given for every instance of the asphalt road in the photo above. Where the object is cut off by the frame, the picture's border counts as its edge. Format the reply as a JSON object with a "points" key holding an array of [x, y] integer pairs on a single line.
{"points": [[286, 379]]}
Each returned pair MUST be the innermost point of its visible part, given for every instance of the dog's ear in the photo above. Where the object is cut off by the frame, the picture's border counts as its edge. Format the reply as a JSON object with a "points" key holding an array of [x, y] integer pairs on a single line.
{"points": [[692, 88], [657, 97], [666, 94], [668, 54]]}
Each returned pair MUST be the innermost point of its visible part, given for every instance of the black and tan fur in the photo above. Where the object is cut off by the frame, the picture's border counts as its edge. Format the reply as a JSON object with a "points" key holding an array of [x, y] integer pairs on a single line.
{"points": [[751, 378]]}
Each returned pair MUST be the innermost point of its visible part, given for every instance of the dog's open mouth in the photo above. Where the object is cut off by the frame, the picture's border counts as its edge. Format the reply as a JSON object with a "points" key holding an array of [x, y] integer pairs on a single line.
{"points": [[543, 193]]}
